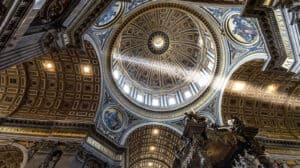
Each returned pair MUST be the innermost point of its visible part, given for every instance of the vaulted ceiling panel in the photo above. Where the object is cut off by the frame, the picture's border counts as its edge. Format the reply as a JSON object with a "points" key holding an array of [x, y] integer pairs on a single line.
{"points": [[62, 85], [152, 146], [268, 100]]}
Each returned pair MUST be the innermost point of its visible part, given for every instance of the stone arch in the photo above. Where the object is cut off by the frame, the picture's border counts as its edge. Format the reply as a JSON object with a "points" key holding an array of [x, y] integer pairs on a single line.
{"points": [[133, 128], [256, 56]]}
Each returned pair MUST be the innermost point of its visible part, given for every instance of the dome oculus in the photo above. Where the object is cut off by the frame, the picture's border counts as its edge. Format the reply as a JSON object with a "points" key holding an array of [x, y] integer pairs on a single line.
{"points": [[158, 42], [163, 59]]}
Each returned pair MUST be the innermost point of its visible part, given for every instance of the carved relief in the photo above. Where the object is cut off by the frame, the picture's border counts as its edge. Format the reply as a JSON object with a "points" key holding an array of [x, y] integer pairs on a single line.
{"points": [[53, 10], [275, 32], [52, 159], [85, 22], [3, 11], [18, 15]]}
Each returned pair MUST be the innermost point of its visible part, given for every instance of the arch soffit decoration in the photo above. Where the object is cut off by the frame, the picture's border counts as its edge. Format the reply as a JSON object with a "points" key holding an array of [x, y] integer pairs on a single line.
{"points": [[145, 154], [135, 127], [89, 38], [232, 69]]}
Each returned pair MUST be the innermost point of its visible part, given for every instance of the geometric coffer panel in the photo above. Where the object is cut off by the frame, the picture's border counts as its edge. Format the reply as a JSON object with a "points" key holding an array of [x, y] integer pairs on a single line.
{"points": [[268, 100], [59, 87], [153, 146]]}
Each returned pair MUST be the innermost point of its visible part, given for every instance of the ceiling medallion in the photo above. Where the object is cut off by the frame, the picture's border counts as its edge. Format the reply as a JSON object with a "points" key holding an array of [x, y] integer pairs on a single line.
{"points": [[110, 15], [113, 118], [163, 58], [241, 30], [158, 42]]}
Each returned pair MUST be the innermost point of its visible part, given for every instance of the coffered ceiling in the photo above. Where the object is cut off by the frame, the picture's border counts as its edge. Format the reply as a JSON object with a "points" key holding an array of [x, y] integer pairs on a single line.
{"points": [[267, 100], [63, 85]]}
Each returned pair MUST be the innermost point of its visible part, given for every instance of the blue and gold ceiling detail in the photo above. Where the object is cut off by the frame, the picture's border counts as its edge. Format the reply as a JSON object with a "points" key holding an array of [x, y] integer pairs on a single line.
{"points": [[110, 15], [161, 59], [147, 62], [155, 89]]}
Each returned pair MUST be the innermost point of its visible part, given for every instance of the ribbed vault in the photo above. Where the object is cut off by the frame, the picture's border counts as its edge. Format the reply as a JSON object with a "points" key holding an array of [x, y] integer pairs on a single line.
{"points": [[63, 85], [152, 146], [268, 100]]}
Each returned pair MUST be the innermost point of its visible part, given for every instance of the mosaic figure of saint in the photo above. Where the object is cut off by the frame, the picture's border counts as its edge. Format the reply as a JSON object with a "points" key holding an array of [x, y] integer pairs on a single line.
{"points": [[113, 119], [243, 29]]}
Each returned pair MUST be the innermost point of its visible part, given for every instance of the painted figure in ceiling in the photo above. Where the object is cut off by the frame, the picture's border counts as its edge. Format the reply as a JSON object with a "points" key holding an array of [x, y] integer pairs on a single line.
{"points": [[113, 119], [243, 29]]}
